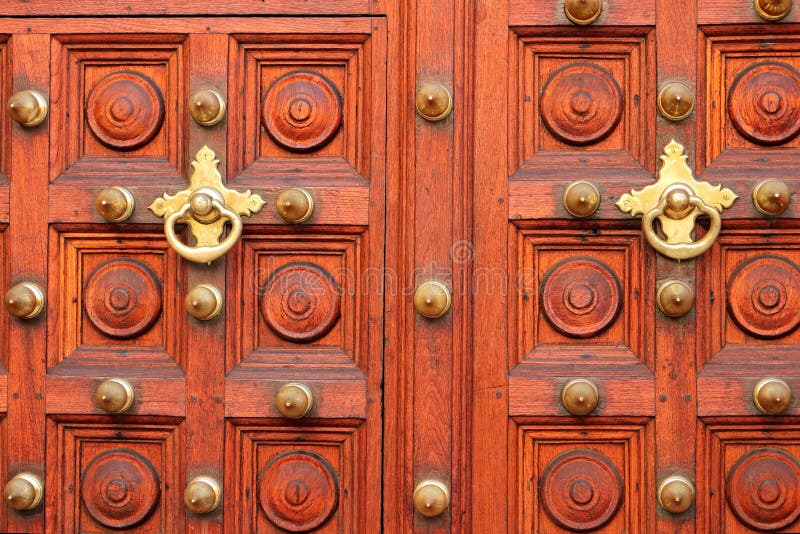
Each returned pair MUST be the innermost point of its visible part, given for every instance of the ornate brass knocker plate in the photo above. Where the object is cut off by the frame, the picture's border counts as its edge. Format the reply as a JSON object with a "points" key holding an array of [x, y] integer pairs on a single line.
{"points": [[205, 207], [676, 200]]}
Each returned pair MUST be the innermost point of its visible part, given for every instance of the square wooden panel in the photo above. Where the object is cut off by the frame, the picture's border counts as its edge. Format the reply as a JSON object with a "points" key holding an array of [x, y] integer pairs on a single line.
{"points": [[749, 475], [115, 300], [304, 104], [103, 477], [118, 104], [286, 479], [582, 477], [300, 300], [753, 280], [581, 99], [752, 89], [580, 296]]}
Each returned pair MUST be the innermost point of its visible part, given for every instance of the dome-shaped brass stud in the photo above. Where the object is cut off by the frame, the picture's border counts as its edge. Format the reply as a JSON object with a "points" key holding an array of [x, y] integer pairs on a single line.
{"points": [[295, 205], [772, 10], [432, 299], [203, 495], [580, 396], [675, 494], [25, 300], [431, 498], [294, 400], [771, 197], [115, 204], [434, 102], [114, 396], [675, 101], [24, 491], [581, 199], [583, 12], [674, 298], [207, 107], [772, 396], [28, 108], [204, 302]]}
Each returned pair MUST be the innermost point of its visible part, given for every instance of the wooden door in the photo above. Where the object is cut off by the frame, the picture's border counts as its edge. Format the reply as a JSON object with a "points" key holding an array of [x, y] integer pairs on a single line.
{"points": [[558, 102]]}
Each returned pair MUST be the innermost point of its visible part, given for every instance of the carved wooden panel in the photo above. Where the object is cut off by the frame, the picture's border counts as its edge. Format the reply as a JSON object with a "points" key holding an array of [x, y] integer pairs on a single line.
{"points": [[294, 480], [751, 478], [116, 300], [118, 105], [103, 477], [582, 478]]}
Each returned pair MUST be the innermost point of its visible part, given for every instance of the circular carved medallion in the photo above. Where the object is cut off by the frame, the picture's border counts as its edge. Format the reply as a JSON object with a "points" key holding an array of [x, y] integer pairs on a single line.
{"points": [[581, 103], [301, 302], [581, 490], [298, 491], [122, 298], [302, 111], [120, 488], [125, 110], [581, 297], [764, 296], [763, 489], [764, 103]]}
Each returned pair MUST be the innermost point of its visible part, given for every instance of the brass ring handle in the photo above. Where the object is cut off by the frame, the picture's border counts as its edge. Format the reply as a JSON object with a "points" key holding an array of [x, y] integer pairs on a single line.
{"points": [[203, 254], [682, 251]]}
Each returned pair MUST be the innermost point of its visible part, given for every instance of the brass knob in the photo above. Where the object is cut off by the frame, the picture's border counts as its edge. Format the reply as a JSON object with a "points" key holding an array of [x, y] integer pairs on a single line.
{"points": [[434, 102], [431, 498], [204, 302], [580, 396], [114, 396], [203, 495], [28, 108], [771, 197], [24, 491], [675, 494], [115, 204], [581, 199], [432, 299], [25, 300], [772, 10], [674, 298], [294, 400], [295, 205], [583, 12], [675, 101], [207, 107], [772, 396]]}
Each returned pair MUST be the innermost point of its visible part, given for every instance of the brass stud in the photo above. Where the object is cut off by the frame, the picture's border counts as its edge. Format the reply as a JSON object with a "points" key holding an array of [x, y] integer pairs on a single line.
{"points": [[115, 204], [675, 494], [294, 400], [431, 498], [772, 10], [434, 102], [580, 396], [432, 299], [207, 107], [114, 396], [772, 396], [25, 300], [28, 108], [674, 298], [675, 101], [204, 302], [295, 205], [771, 197], [581, 199], [24, 491], [203, 495], [583, 12]]}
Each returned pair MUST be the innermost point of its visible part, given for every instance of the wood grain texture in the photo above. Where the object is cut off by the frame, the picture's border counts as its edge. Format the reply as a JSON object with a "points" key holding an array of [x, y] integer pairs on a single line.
{"points": [[551, 13], [47, 8]]}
